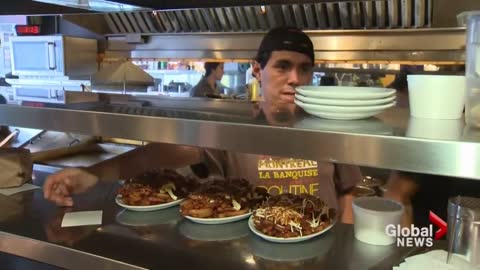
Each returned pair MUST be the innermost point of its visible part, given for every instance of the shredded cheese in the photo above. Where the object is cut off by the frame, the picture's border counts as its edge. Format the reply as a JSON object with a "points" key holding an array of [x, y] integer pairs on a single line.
{"points": [[236, 205], [169, 188], [284, 216]]}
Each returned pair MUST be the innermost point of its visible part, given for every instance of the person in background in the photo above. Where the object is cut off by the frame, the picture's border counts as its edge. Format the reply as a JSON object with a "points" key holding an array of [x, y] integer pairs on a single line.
{"points": [[207, 86], [4, 130], [285, 60], [327, 81], [401, 85]]}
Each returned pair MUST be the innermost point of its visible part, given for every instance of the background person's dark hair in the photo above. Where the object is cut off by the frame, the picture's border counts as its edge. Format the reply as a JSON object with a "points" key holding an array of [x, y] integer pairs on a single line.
{"points": [[4, 131], [210, 67], [400, 83]]}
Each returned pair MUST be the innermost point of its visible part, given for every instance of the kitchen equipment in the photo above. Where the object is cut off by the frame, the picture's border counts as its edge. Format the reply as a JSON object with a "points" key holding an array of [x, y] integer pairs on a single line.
{"points": [[370, 183], [464, 228], [123, 76], [9, 137], [434, 259], [361, 191], [436, 96], [16, 166], [53, 56], [472, 106], [45, 89], [371, 217]]}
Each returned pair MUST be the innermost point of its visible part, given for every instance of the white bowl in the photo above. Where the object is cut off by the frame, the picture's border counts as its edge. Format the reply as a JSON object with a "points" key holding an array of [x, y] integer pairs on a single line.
{"points": [[436, 96], [372, 215], [344, 102], [345, 92]]}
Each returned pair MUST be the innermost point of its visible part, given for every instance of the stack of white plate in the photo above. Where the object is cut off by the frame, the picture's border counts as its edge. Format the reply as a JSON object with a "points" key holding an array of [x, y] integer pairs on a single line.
{"points": [[344, 102]]}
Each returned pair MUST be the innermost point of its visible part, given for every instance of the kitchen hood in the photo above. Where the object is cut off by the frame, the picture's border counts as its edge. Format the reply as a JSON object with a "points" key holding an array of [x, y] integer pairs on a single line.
{"points": [[130, 5], [96, 5], [121, 75]]}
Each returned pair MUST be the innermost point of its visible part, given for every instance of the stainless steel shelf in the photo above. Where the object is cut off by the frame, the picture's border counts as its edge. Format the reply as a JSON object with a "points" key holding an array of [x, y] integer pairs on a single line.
{"points": [[391, 140]]}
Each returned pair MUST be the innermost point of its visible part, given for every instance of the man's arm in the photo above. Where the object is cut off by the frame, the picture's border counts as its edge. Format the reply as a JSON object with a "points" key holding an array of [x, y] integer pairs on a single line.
{"points": [[401, 187], [142, 159], [346, 178], [60, 186]]}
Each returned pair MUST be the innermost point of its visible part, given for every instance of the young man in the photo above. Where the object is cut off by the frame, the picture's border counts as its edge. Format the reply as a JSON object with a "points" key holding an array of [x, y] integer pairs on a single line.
{"points": [[207, 86], [284, 61]]}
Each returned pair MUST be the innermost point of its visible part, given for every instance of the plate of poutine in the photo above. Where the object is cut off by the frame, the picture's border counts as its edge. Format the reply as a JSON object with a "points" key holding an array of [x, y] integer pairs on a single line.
{"points": [[213, 221], [222, 201], [289, 218], [154, 190], [145, 208]]}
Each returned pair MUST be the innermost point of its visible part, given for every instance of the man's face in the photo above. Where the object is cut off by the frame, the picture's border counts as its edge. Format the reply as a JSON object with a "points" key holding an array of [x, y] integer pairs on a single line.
{"points": [[285, 70], [219, 72]]}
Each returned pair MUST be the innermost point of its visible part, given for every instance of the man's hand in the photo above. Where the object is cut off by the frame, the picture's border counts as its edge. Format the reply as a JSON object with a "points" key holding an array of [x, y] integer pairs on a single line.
{"points": [[60, 187]]}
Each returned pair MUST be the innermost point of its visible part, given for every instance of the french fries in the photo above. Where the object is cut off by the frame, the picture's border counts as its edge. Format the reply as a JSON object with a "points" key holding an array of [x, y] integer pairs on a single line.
{"points": [[222, 198], [155, 187], [289, 215]]}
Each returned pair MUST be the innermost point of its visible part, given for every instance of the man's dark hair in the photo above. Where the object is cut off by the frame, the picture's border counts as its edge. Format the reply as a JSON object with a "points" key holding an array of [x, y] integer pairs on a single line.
{"points": [[210, 67], [262, 58], [284, 39]]}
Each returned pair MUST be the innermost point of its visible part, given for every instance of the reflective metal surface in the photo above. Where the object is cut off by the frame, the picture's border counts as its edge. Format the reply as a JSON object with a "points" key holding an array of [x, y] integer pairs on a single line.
{"points": [[386, 141], [464, 228], [334, 45], [164, 240], [341, 15]]}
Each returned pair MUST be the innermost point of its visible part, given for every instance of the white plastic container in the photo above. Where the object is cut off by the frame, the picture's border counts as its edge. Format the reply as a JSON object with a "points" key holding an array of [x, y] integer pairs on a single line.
{"points": [[436, 96], [471, 20], [371, 217], [436, 129]]}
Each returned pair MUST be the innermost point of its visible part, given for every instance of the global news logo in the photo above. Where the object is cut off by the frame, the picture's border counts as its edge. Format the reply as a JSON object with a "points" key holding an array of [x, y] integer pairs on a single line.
{"points": [[417, 237]]}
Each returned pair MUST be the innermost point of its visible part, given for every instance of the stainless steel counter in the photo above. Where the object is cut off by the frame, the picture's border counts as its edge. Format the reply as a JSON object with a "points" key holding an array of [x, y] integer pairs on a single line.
{"points": [[30, 227], [392, 140]]}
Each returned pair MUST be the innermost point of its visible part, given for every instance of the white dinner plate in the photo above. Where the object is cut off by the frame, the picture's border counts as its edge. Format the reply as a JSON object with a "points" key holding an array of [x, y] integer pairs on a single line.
{"points": [[118, 200], [343, 109], [345, 92], [251, 225], [342, 116], [210, 221], [344, 102]]}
